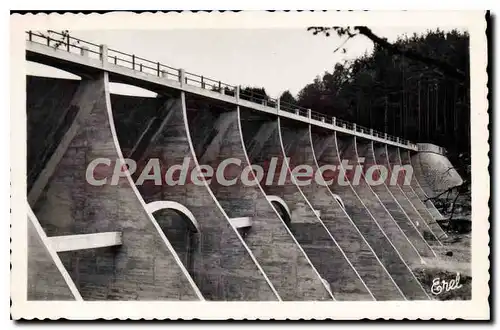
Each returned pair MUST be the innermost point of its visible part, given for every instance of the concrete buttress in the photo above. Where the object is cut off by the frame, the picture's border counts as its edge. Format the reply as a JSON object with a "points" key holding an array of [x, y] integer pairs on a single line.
{"points": [[216, 136], [404, 157], [215, 255], [144, 266], [392, 206], [262, 138], [386, 156]]}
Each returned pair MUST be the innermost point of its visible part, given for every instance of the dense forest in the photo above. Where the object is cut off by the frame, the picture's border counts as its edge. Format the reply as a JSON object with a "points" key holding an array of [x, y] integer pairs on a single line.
{"points": [[419, 92]]}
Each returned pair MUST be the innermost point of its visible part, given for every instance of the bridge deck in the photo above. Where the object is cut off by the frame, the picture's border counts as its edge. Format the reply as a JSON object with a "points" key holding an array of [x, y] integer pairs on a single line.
{"points": [[160, 76]]}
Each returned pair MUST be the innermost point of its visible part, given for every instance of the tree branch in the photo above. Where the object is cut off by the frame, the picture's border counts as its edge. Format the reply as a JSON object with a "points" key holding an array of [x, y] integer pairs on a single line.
{"points": [[453, 205], [443, 66]]}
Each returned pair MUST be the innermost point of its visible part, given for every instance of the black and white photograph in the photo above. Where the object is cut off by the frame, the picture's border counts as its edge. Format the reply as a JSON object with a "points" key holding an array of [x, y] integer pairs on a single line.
{"points": [[299, 164]]}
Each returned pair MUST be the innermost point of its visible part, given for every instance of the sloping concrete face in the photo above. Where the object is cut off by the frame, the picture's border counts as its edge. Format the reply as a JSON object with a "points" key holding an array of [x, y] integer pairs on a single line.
{"points": [[343, 226], [144, 266], [49, 114], [263, 144], [404, 194], [220, 264], [356, 151], [404, 158], [381, 190], [373, 233], [217, 137], [45, 281], [434, 171]]}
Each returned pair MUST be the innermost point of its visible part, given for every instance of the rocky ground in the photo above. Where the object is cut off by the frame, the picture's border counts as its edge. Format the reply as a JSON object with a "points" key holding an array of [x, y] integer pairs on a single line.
{"points": [[454, 257]]}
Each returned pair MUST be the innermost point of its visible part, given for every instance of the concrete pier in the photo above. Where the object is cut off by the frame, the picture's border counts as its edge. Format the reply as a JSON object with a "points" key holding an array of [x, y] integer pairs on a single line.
{"points": [[423, 213], [47, 277], [415, 185], [346, 225], [145, 266], [369, 227], [269, 239], [388, 200], [216, 256], [262, 138]]}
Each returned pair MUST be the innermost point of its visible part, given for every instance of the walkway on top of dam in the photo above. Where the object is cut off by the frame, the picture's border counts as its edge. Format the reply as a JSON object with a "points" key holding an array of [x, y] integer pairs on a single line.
{"points": [[69, 53]]}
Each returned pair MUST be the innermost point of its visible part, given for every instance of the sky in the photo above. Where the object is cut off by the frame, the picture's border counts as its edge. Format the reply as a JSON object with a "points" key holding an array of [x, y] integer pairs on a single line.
{"points": [[276, 59]]}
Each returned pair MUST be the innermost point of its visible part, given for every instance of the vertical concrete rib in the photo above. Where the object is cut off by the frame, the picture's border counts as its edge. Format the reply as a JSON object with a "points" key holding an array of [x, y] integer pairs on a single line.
{"points": [[404, 158], [145, 267], [389, 201], [262, 140], [222, 266], [318, 151], [47, 277], [368, 226], [388, 155], [217, 138]]}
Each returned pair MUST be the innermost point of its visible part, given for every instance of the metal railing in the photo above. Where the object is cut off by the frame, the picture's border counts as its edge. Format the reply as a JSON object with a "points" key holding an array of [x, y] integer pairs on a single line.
{"points": [[63, 41]]}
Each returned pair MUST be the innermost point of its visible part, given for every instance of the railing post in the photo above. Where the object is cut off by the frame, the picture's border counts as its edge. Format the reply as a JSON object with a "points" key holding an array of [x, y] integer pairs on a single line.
{"points": [[84, 51], [104, 54], [158, 68], [133, 62], [309, 113], [30, 35], [334, 121], [202, 83], [371, 131], [385, 136], [220, 89], [182, 76], [237, 93], [278, 104], [354, 127], [297, 111], [67, 42]]}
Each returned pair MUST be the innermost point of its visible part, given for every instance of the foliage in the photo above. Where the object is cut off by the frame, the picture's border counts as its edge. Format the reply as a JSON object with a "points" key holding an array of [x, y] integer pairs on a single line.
{"points": [[417, 88], [386, 90], [59, 39]]}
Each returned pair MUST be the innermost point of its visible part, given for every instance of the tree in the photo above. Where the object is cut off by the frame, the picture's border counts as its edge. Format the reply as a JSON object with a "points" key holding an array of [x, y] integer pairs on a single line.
{"points": [[287, 98], [416, 88], [351, 32], [395, 94]]}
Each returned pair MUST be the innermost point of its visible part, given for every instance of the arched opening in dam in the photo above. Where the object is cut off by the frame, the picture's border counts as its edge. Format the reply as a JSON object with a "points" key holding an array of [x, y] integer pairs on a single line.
{"points": [[282, 209], [179, 226]]}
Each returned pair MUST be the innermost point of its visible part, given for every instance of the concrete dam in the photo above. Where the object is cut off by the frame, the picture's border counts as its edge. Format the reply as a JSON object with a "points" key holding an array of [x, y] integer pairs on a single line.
{"points": [[240, 236]]}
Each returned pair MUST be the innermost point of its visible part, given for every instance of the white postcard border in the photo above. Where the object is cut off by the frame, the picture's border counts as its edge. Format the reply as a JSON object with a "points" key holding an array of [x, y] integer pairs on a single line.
{"points": [[477, 308]]}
